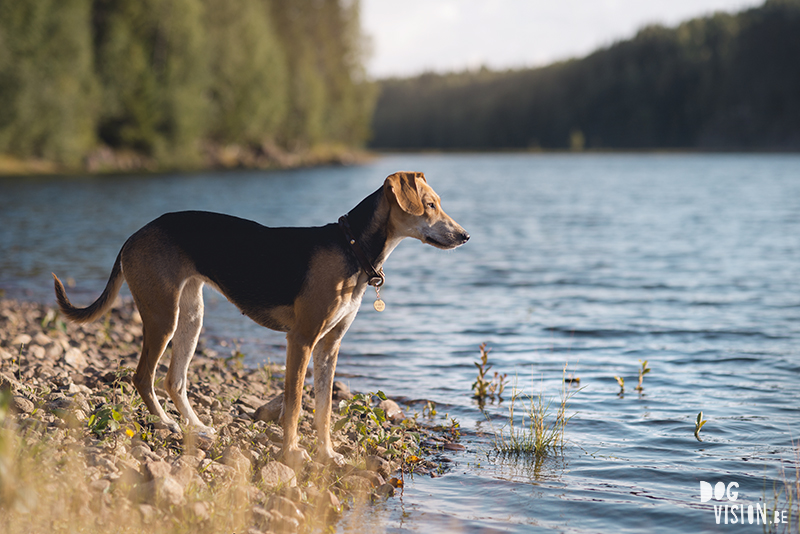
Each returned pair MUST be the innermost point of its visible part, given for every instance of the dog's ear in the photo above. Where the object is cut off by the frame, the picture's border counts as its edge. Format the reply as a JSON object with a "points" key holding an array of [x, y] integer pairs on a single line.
{"points": [[403, 186]]}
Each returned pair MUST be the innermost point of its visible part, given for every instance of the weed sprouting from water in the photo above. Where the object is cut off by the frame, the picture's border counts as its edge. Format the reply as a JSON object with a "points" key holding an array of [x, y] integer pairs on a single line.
{"points": [[484, 388], [621, 382], [539, 429], [785, 498], [643, 371], [698, 425]]}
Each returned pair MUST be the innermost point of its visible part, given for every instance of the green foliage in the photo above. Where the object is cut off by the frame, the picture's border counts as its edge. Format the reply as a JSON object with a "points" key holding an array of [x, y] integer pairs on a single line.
{"points": [[47, 87], [152, 67], [248, 84], [106, 419], [329, 97], [371, 428], [161, 78], [721, 81]]}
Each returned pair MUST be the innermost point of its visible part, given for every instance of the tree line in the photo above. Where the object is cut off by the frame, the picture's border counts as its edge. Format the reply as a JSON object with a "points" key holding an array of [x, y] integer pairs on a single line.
{"points": [[173, 79], [727, 81]]}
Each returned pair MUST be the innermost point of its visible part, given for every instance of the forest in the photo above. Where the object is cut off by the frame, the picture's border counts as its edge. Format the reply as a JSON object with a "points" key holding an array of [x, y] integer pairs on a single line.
{"points": [[159, 84], [722, 82]]}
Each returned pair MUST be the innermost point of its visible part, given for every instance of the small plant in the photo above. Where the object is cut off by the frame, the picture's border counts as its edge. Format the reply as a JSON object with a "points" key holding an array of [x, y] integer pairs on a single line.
{"points": [[481, 385], [784, 503], [499, 384], [643, 371], [52, 316], [621, 382], [370, 425], [484, 388], [540, 432], [429, 411], [698, 425], [236, 359], [106, 419]]}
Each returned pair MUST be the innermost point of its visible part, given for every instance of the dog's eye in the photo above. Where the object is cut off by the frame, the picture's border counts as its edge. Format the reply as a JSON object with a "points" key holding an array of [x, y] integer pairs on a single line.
{"points": [[431, 205]]}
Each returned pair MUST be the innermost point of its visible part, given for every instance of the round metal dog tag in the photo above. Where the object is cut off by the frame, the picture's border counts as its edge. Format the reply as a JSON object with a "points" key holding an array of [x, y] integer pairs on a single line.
{"points": [[379, 305]]}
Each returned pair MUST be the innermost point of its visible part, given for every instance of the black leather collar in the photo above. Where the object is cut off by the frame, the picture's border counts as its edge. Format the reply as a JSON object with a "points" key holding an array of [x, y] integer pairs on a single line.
{"points": [[376, 277]]}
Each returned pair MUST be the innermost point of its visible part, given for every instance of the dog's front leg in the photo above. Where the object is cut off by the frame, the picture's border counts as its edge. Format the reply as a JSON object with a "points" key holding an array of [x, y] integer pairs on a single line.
{"points": [[325, 354], [298, 353]]}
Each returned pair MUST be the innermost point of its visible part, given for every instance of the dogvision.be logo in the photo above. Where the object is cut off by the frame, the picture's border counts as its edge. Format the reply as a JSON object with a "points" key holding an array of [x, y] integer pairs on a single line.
{"points": [[728, 513]]}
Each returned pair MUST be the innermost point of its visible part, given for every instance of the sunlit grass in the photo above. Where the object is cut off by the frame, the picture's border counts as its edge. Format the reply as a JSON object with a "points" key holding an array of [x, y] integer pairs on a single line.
{"points": [[536, 424], [784, 502]]}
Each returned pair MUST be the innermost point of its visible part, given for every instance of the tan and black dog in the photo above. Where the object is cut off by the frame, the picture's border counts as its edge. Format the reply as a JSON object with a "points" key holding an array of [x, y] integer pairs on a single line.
{"points": [[307, 282]]}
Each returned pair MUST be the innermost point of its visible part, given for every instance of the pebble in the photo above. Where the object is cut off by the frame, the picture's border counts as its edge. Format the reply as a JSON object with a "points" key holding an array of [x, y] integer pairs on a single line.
{"points": [[22, 405], [271, 411], [276, 474], [392, 410]]}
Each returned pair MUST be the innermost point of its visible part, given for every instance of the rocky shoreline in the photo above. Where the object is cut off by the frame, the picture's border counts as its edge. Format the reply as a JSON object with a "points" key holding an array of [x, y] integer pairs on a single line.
{"points": [[215, 157], [77, 444]]}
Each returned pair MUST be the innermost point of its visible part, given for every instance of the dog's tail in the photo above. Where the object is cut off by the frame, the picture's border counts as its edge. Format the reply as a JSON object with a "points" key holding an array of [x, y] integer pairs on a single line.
{"points": [[99, 306]]}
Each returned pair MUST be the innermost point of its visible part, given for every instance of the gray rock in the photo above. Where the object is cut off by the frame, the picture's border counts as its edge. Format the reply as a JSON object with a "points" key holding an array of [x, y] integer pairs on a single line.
{"points": [[20, 404], [282, 523], [21, 339], [276, 474], [341, 391], [9, 383], [233, 457], [374, 478], [216, 472], [155, 469], [143, 453], [148, 513], [271, 411], [293, 493], [327, 505], [261, 517], [285, 507], [163, 491], [75, 358], [357, 485], [200, 510], [385, 490], [392, 410], [251, 401], [379, 465]]}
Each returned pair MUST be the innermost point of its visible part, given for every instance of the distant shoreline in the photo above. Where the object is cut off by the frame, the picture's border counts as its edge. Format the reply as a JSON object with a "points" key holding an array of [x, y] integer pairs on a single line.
{"points": [[105, 161], [10, 166]]}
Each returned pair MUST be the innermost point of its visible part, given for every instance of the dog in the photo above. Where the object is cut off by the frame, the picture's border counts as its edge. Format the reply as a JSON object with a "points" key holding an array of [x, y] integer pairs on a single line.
{"points": [[307, 282]]}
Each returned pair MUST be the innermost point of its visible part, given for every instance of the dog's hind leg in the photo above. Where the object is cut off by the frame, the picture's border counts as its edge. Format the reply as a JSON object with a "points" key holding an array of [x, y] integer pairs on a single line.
{"points": [[159, 320], [184, 343]]}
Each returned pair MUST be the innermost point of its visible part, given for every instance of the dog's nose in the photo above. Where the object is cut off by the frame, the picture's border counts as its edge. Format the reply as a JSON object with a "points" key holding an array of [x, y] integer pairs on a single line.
{"points": [[464, 237]]}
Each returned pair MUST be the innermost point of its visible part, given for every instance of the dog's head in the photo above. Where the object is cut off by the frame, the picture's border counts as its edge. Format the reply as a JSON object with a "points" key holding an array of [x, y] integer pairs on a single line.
{"points": [[416, 211]]}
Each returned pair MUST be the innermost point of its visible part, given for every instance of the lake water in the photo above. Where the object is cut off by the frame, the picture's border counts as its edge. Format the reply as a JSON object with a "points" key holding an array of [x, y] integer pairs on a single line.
{"points": [[691, 262]]}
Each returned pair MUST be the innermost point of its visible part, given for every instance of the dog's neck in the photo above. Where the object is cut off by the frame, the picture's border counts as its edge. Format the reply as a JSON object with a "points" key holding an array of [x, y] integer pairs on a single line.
{"points": [[369, 224]]}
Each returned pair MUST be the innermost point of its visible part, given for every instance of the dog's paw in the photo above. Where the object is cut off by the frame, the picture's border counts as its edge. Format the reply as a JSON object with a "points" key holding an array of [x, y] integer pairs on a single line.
{"points": [[170, 425], [203, 430], [295, 457], [200, 436], [330, 457]]}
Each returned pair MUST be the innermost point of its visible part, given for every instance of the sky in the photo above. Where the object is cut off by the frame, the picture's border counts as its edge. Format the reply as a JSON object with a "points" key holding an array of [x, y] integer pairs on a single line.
{"points": [[409, 37]]}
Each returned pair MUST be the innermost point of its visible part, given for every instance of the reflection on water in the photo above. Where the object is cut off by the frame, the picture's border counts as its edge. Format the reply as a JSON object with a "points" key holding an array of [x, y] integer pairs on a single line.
{"points": [[691, 262]]}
